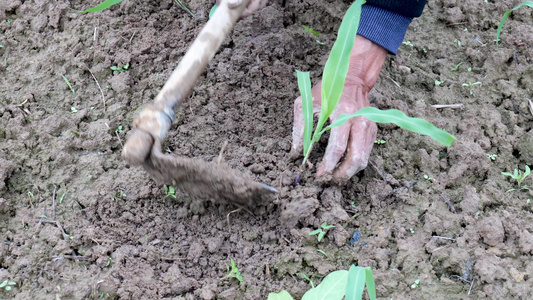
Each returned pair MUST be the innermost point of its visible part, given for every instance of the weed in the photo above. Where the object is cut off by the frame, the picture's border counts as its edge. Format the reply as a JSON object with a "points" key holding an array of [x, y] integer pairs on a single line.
{"points": [[470, 86], [528, 201], [108, 3], [415, 284], [185, 8], [7, 284], [119, 129], [69, 85], [61, 198], [506, 15], [456, 67], [73, 110], [438, 82], [306, 278], [322, 252], [116, 69], [169, 191], [313, 32], [427, 178], [380, 142], [321, 231], [9, 21], [492, 156], [234, 272], [519, 176], [333, 79], [407, 43], [412, 230], [109, 261]]}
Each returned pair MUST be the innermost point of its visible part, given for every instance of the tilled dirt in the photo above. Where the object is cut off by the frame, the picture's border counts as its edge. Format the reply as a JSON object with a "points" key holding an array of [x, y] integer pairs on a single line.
{"points": [[79, 223]]}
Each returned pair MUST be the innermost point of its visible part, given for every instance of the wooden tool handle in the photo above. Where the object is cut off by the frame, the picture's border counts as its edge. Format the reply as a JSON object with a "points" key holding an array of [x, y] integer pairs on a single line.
{"points": [[154, 121]]}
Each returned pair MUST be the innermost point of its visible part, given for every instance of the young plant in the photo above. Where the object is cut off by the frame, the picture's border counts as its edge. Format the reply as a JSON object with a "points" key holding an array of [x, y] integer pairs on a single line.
{"points": [[120, 69], [169, 191], [321, 231], [234, 272], [506, 15], [333, 80], [108, 3], [7, 284], [470, 86], [69, 85], [519, 176]]}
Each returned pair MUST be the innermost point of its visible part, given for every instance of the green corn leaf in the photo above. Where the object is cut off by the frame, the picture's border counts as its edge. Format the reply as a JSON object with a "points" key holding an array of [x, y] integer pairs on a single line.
{"points": [[356, 283], [506, 15], [304, 84], [331, 288], [337, 64], [399, 118], [212, 11], [103, 6], [282, 295], [370, 284]]}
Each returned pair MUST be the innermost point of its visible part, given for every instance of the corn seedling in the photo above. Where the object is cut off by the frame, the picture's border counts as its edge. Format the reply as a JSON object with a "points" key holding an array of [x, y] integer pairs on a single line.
{"points": [[169, 191], [519, 176], [7, 285], [321, 232], [120, 69], [69, 85], [470, 86], [506, 15], [340, 284], [333, 79], [234, 272]]}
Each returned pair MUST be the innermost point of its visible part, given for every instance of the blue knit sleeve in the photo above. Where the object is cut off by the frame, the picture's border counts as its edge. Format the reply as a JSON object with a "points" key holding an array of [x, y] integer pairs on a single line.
{"points": [[383, 27]]}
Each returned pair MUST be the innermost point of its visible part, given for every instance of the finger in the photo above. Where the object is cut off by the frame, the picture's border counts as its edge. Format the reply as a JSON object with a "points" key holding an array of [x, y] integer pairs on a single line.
{"points": [[362, 136], [299, 123], [338, 140]]}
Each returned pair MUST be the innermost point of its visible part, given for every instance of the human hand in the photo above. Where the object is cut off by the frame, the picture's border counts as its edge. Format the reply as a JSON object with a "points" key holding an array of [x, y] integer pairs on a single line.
{"points": [[251, 8], [354, 139]]}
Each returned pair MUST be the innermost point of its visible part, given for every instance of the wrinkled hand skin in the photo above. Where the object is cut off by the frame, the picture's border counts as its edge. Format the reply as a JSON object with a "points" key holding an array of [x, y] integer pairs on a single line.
{"points": [[353, 141], [254, 6]]}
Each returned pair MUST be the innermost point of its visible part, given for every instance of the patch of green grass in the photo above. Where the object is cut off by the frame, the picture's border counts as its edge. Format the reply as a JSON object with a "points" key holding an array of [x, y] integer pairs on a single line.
{"points": [[519, 176], [69, 85], [321, 232]]}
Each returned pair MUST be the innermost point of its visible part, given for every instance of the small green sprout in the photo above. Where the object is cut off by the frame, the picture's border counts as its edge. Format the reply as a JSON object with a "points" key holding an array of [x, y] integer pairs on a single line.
{"points": [[458, 42], [73, 110], [109, 261], [119, 129], [7, 284], [69, 85], [470, 86], [380, 142], [415, 284], [407, 43], [456, 67], [412, 230], [123, 194], [492, 156], [306, 278], [322, 252], [321, 231], [528, 201], [184, 7], [438, 82], [311, 30], [9, 21], [116, 69], [234, 272], [519, 176], [61, 198], [427, 178], [506, 15], [169, 191]]}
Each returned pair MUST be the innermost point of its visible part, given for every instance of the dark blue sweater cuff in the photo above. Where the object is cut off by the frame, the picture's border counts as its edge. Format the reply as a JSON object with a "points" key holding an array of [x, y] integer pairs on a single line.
{"points": [[383, 27]]}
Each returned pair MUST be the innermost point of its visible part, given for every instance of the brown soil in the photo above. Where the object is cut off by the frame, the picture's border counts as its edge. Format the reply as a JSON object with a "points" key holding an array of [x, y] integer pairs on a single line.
{"points": [[79, 223]]}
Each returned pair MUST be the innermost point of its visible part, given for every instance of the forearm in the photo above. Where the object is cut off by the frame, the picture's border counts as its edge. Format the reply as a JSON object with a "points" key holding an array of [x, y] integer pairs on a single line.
{"points": [[385, 22]]}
